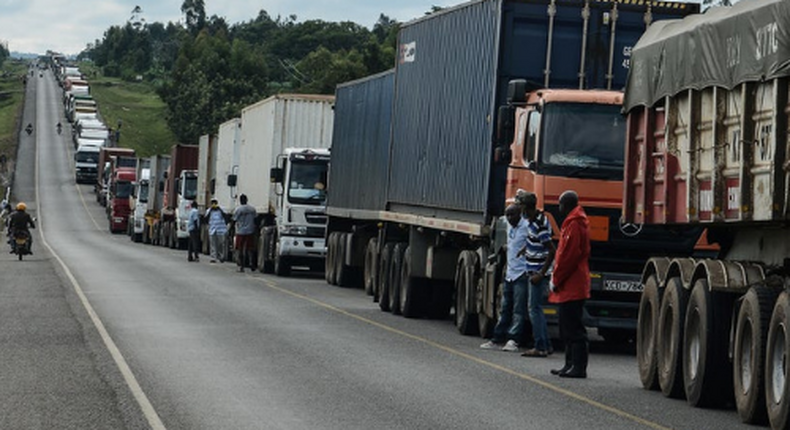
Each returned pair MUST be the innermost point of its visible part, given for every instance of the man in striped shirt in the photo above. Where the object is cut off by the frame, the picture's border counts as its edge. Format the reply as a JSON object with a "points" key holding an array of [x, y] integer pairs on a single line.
{"points": [[539, 252]]}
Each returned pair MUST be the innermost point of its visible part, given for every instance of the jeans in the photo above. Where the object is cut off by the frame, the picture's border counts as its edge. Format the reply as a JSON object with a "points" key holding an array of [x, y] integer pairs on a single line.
{"points": [[218, 246], [512, 313], [540, 331]]}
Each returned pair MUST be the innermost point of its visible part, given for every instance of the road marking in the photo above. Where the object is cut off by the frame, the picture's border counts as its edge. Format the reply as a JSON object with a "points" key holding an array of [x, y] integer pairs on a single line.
{"points": [[445, 348], [142, 400]]}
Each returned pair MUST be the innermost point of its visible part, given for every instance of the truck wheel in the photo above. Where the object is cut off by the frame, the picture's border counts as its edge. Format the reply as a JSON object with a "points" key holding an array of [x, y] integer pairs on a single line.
{"points": [[707, 373], [411, 289], [341, 275], [777, 389], [396, 264], [669, 332], [282, 267], [329, 263], [646, 334], [465, 317], [265, 264], [748, 365], [441, 299], [384, 278], [137, 237], [371, 259]]}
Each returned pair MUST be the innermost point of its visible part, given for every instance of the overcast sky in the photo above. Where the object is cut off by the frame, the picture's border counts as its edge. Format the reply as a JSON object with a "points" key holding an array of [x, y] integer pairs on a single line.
{"points": [[68, 25]]}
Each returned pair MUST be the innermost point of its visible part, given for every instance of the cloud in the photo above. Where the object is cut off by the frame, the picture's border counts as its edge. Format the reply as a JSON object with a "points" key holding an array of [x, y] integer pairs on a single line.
{"points": [[68, 25]]}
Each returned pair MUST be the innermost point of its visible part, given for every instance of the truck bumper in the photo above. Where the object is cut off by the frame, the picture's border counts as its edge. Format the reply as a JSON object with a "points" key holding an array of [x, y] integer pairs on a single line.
{"points": [[303, 247]]}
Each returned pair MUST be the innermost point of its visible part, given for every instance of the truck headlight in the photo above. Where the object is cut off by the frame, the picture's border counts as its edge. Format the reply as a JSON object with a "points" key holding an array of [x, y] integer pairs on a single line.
{"points": [[294, 230]]}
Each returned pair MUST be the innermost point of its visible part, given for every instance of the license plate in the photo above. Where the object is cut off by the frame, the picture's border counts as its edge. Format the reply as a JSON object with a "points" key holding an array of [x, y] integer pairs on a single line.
{"points": [[623, 286]]}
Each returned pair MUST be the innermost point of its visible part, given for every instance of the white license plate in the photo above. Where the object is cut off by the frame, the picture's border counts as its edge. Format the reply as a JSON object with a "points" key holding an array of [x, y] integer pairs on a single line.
{"points": [[623, 286]]}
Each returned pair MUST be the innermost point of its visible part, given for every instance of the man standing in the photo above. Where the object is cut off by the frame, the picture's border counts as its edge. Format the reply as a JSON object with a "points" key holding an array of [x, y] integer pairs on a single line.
{"points": [[244, 221], [571, 285], [539, 254], [193, 228], [514, 293], [217, 230]]}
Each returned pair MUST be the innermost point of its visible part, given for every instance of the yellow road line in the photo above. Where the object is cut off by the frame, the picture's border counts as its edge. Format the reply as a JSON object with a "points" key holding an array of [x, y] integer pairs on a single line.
{"points": [[559, 390]]}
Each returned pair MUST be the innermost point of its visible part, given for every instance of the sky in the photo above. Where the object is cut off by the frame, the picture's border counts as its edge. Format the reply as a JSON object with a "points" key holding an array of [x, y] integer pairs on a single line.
{"points": [[67, 26]]}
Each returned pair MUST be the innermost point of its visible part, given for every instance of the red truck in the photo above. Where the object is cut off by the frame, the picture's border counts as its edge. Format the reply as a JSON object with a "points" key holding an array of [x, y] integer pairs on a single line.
{"points": [[104, 169], [123, 175], [180, 189]]}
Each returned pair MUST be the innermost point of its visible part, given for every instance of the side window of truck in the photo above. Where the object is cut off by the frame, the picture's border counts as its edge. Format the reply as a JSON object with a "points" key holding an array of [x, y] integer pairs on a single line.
{"points": [[533, 126]]}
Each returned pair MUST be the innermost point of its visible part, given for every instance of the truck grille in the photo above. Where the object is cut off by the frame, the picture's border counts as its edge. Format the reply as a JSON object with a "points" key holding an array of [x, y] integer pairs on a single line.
{"points": [[316, 218], [315, 231]]}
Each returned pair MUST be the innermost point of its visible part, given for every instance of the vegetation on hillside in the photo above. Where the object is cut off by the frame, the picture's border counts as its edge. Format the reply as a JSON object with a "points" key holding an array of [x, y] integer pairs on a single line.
{"points": [[206, 70], [12, 91]]}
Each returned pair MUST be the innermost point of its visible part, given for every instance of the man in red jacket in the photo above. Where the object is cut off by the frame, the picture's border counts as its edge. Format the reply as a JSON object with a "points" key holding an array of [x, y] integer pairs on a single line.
{"points": [[571, 285]]}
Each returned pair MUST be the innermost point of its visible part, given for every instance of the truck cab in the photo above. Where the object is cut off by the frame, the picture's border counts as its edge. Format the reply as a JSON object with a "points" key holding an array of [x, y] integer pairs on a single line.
{"points": [[300, 216], [573, 140], [86, 161], [120, 190], [139, 204]]}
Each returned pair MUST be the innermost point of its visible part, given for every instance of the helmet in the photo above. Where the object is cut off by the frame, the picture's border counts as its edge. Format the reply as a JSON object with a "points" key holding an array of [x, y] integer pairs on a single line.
{"points": [[21, 206]]}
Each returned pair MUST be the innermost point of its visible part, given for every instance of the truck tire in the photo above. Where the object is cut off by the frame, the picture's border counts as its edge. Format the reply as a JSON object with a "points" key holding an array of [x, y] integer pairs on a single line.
{"points": [[137, 237], [441, 299], [465, 316], [707, 373], [396, 264], [265, 264], [371, 259], [411, 289], [384, 278], [329, 262], [341, 275], [748, 364], [669, 338], [282, 265], [777, 389]]}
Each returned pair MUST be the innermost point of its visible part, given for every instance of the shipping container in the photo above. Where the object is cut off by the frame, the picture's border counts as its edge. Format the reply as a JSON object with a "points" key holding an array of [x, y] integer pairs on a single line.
{"points": [[452, 74], [228, 145], [360, 149], [207, 169], [268, 127], [182, 157]]}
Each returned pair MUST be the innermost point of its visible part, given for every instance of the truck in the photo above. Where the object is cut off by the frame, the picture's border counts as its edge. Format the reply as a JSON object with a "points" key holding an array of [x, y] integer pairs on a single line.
{"points": [[159, 165], [180, 190], [123, 171], [282, 170], [706, 146], [138, 200], [416, 193], [86, 163], [103, 174]]}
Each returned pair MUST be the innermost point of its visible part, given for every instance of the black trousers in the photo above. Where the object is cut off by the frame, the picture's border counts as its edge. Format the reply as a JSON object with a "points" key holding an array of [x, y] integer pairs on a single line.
{"points": [[572, 328], [193, 246]]}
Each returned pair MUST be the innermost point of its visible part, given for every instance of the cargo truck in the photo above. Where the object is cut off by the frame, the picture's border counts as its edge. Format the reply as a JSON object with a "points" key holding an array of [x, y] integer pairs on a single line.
{"points": [[103, 174], [86, 162], [282, 170], [123, 171], [707, 104], [180, 191], [138, 201], [422, 157]]}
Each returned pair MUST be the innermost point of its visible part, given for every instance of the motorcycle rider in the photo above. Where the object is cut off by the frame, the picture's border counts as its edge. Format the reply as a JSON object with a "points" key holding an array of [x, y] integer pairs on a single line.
{"points": [[19, 221]]}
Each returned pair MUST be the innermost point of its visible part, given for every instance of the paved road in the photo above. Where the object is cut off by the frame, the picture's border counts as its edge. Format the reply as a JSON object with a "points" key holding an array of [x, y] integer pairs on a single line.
{"points": [[208, 348]]}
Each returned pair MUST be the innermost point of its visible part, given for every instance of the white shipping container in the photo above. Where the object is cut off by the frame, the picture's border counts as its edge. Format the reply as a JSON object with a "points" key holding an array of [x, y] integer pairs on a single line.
{"points": [[268, 128], [228, 147]]}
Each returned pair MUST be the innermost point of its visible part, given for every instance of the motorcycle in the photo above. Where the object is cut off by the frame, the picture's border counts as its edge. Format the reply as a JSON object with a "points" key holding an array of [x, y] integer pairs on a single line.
{"points": [[20, 244]]}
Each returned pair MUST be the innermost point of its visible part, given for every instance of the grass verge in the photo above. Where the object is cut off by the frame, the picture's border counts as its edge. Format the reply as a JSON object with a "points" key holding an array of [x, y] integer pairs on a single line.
{"points": [[12, 96], [138, 107]]}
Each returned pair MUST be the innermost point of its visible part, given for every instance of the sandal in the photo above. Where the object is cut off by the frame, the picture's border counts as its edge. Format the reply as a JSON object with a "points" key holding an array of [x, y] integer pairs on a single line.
{"points": [[535, 353]]}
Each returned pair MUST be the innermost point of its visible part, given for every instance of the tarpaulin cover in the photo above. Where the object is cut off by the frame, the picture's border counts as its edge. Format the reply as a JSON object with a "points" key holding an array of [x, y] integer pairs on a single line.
{"points": [[724, 47]]}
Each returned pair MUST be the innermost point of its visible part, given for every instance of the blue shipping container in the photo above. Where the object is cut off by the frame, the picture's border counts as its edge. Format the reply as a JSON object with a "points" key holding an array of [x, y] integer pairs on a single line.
{"points": [[360, 143], [452, 73]]}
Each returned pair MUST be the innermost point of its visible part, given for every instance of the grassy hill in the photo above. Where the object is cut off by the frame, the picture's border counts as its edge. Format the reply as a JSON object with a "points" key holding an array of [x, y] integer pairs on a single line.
{"points": [[138, 107], [12, 92]]}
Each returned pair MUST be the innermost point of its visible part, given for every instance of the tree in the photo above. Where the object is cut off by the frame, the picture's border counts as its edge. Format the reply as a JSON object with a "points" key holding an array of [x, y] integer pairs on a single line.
{"points": [[195, 15]]}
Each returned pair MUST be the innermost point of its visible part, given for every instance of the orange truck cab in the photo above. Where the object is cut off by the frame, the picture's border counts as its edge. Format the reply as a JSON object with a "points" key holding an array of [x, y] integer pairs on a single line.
{"points": [[575, 140]]}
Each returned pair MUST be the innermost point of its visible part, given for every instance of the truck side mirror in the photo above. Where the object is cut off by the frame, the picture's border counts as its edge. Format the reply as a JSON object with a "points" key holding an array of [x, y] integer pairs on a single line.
{"points": [[517, 91], [276, 175], [506, 125], [232, 180]]}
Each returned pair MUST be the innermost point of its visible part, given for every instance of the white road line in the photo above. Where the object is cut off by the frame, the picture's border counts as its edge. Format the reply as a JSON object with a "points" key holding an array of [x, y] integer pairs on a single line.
{"points": [[142, 400]]}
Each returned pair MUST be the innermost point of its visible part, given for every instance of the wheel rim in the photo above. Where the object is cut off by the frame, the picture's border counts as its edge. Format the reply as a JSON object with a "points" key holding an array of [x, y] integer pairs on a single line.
{"points": [[778, 359], [694, 344], [745, 354]]}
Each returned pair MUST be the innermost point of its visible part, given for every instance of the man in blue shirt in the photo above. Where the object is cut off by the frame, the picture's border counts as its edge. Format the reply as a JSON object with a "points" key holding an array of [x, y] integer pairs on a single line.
{"points": [[514, 293], [193, 228], [539, 254]]}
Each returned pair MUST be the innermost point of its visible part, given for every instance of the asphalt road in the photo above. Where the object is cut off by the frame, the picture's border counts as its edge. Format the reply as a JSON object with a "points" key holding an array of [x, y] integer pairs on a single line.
{"points": [[104, 333]]}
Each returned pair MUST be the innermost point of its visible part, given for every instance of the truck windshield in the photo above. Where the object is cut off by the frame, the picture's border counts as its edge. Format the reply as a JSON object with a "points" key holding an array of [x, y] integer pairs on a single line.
{"points": [[143, 197], [307, 182], [583, 140], [190, 188], [88, 157], [123, 189]]}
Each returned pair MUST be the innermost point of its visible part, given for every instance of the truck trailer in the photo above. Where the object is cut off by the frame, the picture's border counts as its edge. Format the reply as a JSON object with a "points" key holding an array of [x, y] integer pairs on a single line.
{"points": [[707, 103], [427, 236], [283, 160]]}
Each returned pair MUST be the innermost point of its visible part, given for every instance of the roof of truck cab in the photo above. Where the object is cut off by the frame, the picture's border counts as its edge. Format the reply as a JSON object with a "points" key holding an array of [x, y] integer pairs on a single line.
{"points": [[577, 96]]}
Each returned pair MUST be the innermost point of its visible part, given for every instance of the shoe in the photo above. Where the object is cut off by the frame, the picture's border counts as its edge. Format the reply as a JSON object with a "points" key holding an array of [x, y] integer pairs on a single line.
{"points": [[580, 354], [213, 261], [190, 259], [510, 346], [535, 353], [568, 362], [490, 345]]}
